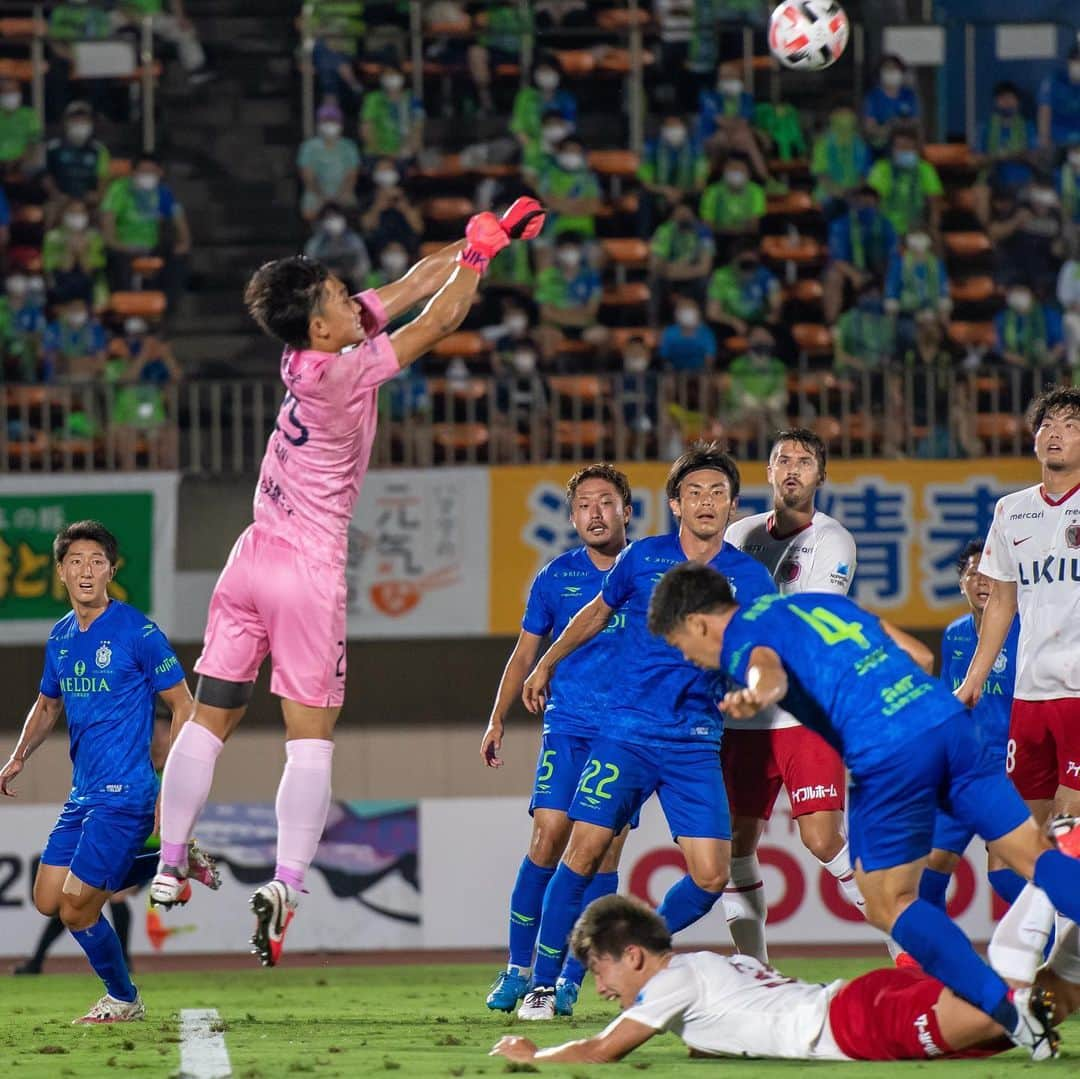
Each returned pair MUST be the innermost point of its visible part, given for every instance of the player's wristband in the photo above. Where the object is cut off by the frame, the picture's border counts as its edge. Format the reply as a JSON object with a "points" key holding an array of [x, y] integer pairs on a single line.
{"points": [[473, 258]]}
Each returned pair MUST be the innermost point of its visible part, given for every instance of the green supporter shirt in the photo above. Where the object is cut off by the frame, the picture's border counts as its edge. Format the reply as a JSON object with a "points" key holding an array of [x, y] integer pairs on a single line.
{"points": [[724, 286], [391, 122], [54, 251], [904, 194], [329, 162], [137, 221], [527, 113], [756, 379], [141, 7], [685, 169], [511, 266], [78, 22], [673, 244], [867, 336], [506, 27], [581, 184], [781, 124], [19, 130], [722, 207]]}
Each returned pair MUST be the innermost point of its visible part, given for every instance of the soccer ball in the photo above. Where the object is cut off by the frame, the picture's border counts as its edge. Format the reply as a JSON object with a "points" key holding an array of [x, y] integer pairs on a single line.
{"points": [[808, 35]]}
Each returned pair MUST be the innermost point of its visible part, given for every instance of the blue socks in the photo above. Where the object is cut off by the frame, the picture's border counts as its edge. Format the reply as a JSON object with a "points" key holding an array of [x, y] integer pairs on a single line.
{"points": [[1006, 883], [102, 947], [1059, 876], [602, 884], [563, 902], [685, 903], [526, 902], [942, 950], [933, 886]]}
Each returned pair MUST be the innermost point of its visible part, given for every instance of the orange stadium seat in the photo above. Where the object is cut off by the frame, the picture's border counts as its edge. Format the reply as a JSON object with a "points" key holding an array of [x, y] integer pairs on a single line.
{"points": [[618, 61], [972, 334], [21, 70], [798, 249], [149, 304], [962, 199], [998, 425], [576, 63], [630, 294], [809, 291], [791, 202], [949, 155], [580, 434], [736, 344], [611, 163], [621, 334], [812, 338], [119, 166], [448, 167], [455, 437], [448, 208], [973, 290], [616, 19], [626, 251], [588, 389], [465, 344], [966, 244], [21, 28]]}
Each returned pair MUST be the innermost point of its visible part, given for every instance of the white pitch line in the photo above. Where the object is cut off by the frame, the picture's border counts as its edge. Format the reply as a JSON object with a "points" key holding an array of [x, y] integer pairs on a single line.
{"points": [[202, 1049]]}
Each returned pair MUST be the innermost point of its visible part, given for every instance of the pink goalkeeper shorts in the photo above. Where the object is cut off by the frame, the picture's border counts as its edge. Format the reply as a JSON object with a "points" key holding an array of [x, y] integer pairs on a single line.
{"points": [[272, 598]]}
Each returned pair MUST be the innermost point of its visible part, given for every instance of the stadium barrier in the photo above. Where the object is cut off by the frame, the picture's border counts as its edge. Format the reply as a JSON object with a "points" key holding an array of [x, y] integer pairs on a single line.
{"points": [[438, 874]]}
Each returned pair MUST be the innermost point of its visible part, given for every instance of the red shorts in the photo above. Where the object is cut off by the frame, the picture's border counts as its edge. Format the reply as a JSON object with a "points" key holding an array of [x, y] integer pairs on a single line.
{"points": [[757, 763], [889, 1015], [271, 598], [1044, 747]]}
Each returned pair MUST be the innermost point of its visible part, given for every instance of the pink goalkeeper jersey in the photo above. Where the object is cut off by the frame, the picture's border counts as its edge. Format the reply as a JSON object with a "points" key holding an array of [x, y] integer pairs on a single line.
{"points": [[318, 454]]}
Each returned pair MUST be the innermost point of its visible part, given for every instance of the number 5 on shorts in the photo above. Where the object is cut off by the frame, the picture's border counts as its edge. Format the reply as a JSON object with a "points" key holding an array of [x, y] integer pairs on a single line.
{"points": [[547, 766]]}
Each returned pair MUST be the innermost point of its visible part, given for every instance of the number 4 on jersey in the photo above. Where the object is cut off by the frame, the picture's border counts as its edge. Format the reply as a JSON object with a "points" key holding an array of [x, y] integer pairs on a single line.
{"points": [[831, 628]]}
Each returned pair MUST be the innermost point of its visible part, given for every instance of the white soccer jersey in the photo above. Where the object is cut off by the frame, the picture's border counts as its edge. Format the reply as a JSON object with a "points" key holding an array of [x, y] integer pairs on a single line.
{"points": [[736, 1006], [819, 557], [1035, 541]]}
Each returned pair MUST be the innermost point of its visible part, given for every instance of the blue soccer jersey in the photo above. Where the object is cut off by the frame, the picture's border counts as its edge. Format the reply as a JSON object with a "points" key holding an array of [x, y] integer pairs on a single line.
{"points": [[559, 591], [656, 697], [848, 680], [108, 676], [995, 705]]}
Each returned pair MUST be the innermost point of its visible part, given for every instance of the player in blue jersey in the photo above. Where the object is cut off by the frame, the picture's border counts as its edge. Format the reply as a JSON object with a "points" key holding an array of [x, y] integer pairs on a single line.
{"points": [[991, 715], [104, 662], [660, 730], [599, 499], [911, 747]]}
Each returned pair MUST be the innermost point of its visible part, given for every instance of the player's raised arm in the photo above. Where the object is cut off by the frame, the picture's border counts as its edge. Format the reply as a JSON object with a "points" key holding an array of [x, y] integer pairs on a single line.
{"points": [[585, 625], [919, 653], [766, 684], [612, 1044], [510, 685], [38, 726], [420, 282], [998, 615]]}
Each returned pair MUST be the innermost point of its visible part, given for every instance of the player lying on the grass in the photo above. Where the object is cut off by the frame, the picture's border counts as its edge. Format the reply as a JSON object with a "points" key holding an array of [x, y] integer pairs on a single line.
{"points": [[911, 747], [105, 662], [283, 592], [736, 1006], [599, 501]]}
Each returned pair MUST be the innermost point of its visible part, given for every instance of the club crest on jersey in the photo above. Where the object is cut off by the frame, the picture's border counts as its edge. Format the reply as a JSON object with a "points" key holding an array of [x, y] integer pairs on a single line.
{"points": [[789, 570], [1072, 535], [1001, 663], [103, 655]]}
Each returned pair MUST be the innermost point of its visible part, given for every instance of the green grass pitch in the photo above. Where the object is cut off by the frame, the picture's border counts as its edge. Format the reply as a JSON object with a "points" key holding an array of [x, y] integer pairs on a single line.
{"points": [[373, 1021]]}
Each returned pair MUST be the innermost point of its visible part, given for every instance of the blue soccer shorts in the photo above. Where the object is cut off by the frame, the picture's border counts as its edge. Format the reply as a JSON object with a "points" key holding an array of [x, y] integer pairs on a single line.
{"points": [[562, 759], [893, 807], [618, 779], [98, 842]]}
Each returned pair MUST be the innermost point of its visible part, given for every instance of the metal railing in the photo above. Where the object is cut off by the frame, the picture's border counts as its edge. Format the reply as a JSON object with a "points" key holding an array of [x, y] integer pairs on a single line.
{"points": [[221, 427]]}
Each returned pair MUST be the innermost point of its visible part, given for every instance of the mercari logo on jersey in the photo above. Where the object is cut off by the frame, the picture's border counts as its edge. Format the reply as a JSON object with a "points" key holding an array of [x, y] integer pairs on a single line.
{"points": [[1050, 570]]}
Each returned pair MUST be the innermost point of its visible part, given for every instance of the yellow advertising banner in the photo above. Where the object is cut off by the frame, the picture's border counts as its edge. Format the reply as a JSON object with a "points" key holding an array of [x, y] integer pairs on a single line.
{"points": [[909, 518]]}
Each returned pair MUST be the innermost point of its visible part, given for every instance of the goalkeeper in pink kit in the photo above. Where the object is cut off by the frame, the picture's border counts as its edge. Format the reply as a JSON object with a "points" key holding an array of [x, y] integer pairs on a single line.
{"points": [[282, 590]]}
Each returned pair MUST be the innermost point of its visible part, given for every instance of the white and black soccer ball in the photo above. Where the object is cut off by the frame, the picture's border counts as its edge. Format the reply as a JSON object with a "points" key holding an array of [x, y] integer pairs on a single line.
{"points": [[808, 35]]}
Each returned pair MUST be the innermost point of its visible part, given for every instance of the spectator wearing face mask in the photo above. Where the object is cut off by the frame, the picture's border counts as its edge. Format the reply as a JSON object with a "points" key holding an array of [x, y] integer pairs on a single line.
{"points": [[390, 216], [889, 103], [544, 96], [509, 332], [1059, 104], [339, 247], [840, 162], [909, 186], [73, 258], [916, 284], [568, 296], [1029, 240], [758, 391], [140, 215], [523, 402], [744, 294], [328, 164], [76, 164], [571, 192], [733, 206], [539, 155], [20, 134], [22, 326], [638, 395], [73, 346], [688, 344], [1004, 143], [680, 258], [865, 338], [861, 243], [1027, 333], [391, 119], [672, 167], [725, 118]]}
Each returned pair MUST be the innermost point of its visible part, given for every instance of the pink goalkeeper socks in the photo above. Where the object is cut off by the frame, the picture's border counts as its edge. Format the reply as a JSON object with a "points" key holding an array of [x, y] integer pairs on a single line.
{"points": [[303, 801], [185, 786]]}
